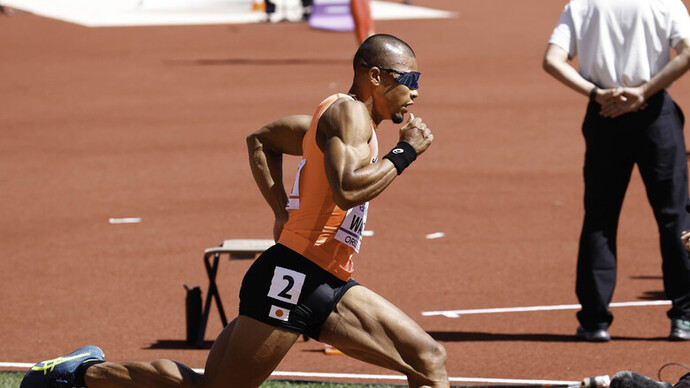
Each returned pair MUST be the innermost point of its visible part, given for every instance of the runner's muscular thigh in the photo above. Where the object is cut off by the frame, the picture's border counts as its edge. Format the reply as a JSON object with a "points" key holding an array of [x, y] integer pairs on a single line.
{"points": [[246, 353], [367, 327]]}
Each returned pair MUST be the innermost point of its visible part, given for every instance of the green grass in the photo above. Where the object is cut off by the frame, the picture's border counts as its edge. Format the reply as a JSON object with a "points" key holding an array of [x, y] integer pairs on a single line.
{"points": [[12, 380]]}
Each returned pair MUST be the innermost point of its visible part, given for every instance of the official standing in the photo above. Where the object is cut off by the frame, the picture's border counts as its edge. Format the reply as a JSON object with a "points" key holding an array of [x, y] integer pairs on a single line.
{"points": [[623, 49]]}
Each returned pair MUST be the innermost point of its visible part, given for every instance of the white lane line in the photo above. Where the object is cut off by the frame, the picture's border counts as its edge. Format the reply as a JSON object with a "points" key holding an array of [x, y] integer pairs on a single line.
{"points": [[458, 313], [15, 365], [126, 220], [362, 376], [401, 377]]}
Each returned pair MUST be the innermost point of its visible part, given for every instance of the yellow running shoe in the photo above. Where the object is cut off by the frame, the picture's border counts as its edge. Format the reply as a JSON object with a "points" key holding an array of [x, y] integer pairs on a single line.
{"points": [[60, 372]]}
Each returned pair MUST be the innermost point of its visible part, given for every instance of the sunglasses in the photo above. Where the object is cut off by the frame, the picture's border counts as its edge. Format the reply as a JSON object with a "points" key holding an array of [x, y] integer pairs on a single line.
{"points": [[408, 78]]}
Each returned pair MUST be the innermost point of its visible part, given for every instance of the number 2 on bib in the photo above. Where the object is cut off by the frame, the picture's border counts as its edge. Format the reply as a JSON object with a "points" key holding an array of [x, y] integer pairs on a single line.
{"points": [[286, 285]]}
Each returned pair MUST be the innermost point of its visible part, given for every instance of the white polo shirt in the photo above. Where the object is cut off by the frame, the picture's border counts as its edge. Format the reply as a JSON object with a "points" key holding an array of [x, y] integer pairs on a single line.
{"points": [[621, 42]]}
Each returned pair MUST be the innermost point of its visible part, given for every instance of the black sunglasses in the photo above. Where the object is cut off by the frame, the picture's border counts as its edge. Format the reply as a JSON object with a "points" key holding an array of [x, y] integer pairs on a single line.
{"points": [[408, 78]]}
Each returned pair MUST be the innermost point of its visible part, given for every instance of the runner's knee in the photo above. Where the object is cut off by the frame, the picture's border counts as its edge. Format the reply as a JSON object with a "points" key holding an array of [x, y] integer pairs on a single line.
{"points": [[431, 360]]}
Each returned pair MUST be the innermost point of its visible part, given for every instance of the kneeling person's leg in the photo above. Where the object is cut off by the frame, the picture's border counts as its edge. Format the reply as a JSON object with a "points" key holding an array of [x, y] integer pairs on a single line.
{"points": [[246, 354], [367, 327]]}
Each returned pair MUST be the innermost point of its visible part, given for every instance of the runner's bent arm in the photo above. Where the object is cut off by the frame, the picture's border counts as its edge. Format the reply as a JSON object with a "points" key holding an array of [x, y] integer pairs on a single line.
{"points": [[266, 147], [344, 132]]}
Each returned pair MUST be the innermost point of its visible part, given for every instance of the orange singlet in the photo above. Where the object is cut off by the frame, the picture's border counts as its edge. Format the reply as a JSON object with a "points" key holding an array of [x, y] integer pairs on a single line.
{"points": [[317, 228]]}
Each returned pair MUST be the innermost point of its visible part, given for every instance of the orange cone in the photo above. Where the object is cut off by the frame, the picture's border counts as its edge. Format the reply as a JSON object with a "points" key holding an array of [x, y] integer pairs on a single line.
{"points": [[331, 351]]}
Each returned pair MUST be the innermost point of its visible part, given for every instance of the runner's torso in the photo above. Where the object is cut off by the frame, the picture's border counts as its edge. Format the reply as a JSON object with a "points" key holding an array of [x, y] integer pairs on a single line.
{"points": [[317, 228]]}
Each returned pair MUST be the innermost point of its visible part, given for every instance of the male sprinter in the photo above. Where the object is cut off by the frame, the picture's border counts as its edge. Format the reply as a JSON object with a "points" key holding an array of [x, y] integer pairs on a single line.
{"points": [[303, 283]]}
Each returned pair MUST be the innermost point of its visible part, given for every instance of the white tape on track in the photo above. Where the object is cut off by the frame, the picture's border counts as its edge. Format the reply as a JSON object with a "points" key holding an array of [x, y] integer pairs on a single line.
{"points": [[458, 313], [352, 376]]}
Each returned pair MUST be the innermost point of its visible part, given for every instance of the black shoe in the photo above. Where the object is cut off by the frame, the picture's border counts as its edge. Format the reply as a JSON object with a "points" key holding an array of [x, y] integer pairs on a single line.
{"points": [[684, 382], [596, 335], [680, 330], [627, 379], [60, 372]]}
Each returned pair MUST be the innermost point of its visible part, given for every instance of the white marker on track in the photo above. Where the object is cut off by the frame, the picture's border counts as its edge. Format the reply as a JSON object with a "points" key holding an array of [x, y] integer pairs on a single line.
{"points": [[128, 220], [435, 235]]}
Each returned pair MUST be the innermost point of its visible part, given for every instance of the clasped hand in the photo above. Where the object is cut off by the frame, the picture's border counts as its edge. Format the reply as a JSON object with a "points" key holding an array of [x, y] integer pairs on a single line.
{"points": [[618, 101]]}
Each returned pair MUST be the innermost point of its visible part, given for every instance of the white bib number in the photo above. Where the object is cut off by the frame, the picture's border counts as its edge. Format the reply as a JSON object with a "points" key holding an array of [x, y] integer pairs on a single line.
{"points": [[293, 199], [350, 231], [286, 285]]}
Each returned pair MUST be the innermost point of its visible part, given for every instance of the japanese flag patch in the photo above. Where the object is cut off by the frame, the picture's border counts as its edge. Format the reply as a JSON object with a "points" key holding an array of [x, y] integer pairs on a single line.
{"points": [[279, 313]]}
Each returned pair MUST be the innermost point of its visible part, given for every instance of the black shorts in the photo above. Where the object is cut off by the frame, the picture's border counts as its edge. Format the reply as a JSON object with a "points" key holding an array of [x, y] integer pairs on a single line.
{"points": [[286, 290]]}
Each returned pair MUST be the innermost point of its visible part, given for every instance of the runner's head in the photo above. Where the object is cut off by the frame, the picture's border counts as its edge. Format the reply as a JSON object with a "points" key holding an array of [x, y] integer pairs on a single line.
{"points": [[385, 69]]}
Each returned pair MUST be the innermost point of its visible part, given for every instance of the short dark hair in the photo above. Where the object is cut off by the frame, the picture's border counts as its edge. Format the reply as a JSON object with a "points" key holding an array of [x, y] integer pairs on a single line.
{"points": [[376, 50]]}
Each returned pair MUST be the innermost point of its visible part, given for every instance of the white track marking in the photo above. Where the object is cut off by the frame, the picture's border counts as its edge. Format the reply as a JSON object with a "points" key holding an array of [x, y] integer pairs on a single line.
{"points": [[22, 365], [401, 377], [458, 313], [352, 376], [127, 220]]}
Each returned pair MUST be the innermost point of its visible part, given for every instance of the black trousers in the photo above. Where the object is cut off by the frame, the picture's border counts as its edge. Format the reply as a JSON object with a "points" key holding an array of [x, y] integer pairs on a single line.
{"points": [[653, 139]]}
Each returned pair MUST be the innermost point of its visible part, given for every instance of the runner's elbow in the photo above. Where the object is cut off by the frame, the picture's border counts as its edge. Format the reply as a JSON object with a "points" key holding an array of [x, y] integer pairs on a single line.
{"points": [[346, 200], [344, 203], [253, 142]]}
